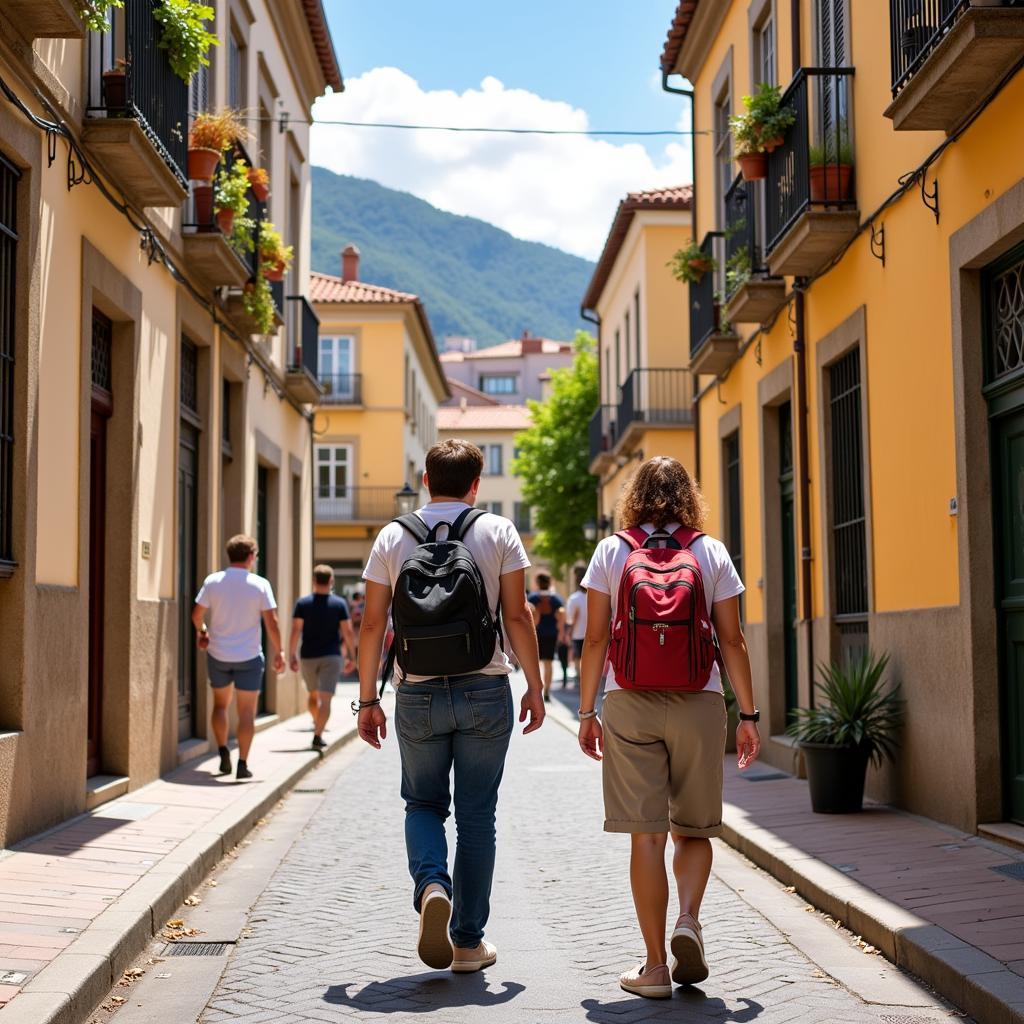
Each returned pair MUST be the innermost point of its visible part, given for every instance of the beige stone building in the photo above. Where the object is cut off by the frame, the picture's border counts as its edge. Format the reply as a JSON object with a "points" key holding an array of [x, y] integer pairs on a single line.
{"points": [[141, 421]]}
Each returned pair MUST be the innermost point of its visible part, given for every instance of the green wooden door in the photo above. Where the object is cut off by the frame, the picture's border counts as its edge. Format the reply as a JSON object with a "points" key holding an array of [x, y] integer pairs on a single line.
{"points": [[1008, 450]]}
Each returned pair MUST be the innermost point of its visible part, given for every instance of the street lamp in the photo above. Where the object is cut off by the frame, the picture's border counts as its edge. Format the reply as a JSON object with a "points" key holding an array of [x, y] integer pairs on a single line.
{"points": [[406, 500]]}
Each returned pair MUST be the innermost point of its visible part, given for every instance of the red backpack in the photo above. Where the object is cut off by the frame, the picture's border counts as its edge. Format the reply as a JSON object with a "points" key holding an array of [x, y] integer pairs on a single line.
{"points": [[662, 638]]}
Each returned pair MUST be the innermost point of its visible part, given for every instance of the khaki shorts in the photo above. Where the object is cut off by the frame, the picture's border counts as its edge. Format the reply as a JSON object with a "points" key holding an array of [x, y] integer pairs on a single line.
{"points": [[662, 768], [321, 673]]}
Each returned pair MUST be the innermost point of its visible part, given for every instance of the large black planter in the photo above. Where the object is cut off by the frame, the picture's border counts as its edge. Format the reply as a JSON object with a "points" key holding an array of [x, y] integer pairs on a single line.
{"points": [[836, 777]]}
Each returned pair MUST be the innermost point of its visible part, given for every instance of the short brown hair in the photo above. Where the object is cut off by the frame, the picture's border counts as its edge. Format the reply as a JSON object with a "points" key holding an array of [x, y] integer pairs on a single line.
{"points": [[240, 547], [662, 492], [452, 467], [543, 581], [323, 574]]}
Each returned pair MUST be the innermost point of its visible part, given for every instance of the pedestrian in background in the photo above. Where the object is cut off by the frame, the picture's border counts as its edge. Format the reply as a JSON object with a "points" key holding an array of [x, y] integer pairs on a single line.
{"points": [[450, 568], [238, 603], [662, 737], [547, 620], [576, 620], [321, 621]]}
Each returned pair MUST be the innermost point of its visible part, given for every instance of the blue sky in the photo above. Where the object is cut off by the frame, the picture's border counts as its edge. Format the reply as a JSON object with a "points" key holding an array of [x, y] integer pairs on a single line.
{"points": [[559, 63]]}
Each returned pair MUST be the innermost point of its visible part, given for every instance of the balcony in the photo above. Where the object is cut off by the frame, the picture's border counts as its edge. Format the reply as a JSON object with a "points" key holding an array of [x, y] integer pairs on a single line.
{"points": [[341, 388], [714, 346], [208, 250], [45, 19], [948, 57], [602, 437], [303, 330], [374, 505], [812, 207], [655, 398], [136, 126], [751, 294]]}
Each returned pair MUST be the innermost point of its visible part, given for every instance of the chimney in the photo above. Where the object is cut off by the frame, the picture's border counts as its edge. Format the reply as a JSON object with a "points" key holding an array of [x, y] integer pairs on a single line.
{"points": [[529, 344], [349, 263]]}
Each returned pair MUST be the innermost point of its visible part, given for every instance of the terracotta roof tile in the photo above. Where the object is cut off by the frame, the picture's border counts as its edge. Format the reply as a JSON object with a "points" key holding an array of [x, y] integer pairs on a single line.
{"points": [[483, 417], [677, 34], [677, 197], [316, 19], [328, 288]]}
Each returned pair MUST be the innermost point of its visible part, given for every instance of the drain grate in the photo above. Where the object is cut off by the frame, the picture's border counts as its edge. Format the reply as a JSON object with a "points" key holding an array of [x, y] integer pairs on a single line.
{"points": [[763, 776], [888, 1019], [196, 948], [1014, 870], [309, 789]]}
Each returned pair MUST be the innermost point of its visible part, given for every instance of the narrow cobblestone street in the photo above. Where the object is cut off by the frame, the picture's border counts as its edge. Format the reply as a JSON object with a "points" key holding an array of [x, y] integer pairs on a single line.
{"points": [[332, 936]]}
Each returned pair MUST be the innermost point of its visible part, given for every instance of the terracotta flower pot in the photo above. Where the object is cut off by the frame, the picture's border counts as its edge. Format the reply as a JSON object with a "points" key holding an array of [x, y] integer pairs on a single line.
{"points": [[259, 190], [274, 271], [202, 164], [202, 200], [830, 183], [114, 91], [773, 144], [226, 220], [753, 166]]}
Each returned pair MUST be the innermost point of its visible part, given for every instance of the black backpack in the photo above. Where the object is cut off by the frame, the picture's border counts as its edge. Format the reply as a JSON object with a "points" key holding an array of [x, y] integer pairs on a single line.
{"points": [[442, 620]]}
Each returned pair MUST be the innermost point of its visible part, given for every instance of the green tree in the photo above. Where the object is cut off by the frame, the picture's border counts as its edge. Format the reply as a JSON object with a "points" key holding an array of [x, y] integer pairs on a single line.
{"points": [[554, 456]]}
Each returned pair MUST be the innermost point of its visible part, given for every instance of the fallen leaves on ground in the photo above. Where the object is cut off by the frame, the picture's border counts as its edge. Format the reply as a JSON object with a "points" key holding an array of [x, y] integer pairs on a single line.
{"points": [[130, 975], [789, 888], [193, 901], [177, 929]]}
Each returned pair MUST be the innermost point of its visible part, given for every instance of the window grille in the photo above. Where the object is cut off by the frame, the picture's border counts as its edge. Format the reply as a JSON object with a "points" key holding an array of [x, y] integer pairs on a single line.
{"points": [[225, 414], [1006, 318], [734, 520], [189, 386], [102, 341], [9, 176], [848, 524]]}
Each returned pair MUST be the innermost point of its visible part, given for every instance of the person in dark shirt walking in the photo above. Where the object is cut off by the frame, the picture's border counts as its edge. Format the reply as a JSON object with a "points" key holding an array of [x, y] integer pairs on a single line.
{"points": [[548, 614], [321, 620]]}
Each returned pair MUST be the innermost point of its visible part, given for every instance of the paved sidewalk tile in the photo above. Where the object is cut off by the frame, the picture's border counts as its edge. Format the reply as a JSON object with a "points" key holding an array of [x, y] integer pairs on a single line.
{"points": [[60, 888]]}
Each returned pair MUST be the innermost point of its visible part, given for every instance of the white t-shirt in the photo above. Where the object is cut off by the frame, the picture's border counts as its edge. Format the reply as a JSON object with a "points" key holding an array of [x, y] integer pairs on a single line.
{"points": [[493, 542], [236, 598], [721, 581], [576, 614]]}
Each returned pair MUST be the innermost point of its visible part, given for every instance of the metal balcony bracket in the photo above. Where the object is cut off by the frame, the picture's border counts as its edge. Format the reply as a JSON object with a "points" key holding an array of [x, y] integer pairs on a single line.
{"points": [[757, 349], [51, 145], [718, 392], [878, 242], [78, 173], [930, 199], [149, 245]]}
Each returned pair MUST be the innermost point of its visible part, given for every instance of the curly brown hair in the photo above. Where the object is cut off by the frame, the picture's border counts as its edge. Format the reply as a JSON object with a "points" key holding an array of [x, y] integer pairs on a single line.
{"points": [[661, 492]]}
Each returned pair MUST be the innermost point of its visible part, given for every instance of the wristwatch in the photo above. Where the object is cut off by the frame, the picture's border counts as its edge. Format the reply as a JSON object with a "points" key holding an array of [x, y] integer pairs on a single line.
{"points": [[755, 717]]}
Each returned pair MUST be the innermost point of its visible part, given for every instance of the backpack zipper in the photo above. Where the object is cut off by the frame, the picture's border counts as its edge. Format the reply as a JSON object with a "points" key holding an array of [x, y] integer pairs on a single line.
{"points": [[631, 650], [435, 636]]}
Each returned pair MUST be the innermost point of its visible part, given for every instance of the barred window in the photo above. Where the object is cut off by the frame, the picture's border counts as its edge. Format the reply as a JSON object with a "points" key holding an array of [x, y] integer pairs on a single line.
{"points": [[9, 176], [189, 376]]}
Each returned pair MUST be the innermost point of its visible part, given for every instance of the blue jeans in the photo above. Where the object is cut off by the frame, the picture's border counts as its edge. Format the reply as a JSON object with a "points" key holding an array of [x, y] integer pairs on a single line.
{"points": [[465, 721]]}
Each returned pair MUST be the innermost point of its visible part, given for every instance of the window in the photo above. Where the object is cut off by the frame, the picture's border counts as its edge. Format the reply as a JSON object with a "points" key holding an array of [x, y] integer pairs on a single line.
{"points": [[189, 387], [491, 506], [731, 503], [832, 34], [199, 91], [335, 496], [764, 48], [334, 365], [9, 176], [493, 459], [521, 514], [499, 384], [236, 71], [618, 359], [225, 417], [636, 320], [724, 167]]}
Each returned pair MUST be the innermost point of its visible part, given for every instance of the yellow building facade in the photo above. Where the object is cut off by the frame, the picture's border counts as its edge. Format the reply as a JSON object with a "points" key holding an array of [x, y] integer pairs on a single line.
{"points": [[382, 384], [858, 401], [141, 421], [640, 312]]}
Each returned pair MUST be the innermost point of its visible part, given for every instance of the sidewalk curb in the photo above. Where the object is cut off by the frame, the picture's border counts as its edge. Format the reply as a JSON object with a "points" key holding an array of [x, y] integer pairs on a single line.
{"points": [[969, 978], [68, 989]]}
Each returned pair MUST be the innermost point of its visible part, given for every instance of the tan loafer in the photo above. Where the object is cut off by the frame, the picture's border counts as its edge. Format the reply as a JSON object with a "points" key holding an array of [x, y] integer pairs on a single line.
{"points": [[435, 947], [468, 960], [689, 965], [649, 982]]}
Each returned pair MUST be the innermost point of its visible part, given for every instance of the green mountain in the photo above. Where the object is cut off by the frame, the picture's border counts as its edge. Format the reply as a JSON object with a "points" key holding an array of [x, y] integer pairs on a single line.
{"points": [[474, 279]]}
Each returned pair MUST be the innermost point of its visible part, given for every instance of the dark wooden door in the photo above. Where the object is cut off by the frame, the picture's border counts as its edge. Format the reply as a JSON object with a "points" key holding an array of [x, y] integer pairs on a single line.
{"points": [[263, 561], [1008, 450], [97, 566], [188, 515], [787, 527]]}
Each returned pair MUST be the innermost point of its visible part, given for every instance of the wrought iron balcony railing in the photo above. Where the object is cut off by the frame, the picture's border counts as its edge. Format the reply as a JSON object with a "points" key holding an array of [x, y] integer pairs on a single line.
{"points": [[303, 327], [707, 294], [355, 504], [744, 248], [149, 91], [602, 430], [341, 388], [656, 396], [813, 168]]}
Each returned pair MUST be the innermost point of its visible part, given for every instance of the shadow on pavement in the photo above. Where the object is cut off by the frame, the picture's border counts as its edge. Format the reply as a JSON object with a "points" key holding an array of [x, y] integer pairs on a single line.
{"points": [[687, 1006], [423, 993]]}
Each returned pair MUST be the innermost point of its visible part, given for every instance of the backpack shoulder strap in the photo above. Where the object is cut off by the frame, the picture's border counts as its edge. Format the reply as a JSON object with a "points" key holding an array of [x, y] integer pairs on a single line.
{"points": [[635, 538], [415, 526], [686, 535], [465, 520]]}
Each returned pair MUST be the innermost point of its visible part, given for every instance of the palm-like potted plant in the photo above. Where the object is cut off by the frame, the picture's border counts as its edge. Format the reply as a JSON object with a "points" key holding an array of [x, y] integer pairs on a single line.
{"points": [[831, 168], [209, 136], [858, 722], [691, 263], [231, 196]]}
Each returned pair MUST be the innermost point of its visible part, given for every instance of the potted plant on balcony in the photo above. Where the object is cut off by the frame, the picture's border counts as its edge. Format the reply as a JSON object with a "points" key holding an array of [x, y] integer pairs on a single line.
{"points": [[259, 304], [857, 723], [275, 256], [737, 270], [831, 169], [210, 135], [691, 263], [231, 196], [185, 36], [115, 93], [259, 179], [94, 13], [760, 129]]}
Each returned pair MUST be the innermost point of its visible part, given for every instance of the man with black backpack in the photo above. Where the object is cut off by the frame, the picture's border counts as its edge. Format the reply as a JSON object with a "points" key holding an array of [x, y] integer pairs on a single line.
{"points": [[453, 578]]}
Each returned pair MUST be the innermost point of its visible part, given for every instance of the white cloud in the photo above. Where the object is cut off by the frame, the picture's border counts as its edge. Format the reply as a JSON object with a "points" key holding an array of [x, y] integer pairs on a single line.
{"points": [[556, 189]]}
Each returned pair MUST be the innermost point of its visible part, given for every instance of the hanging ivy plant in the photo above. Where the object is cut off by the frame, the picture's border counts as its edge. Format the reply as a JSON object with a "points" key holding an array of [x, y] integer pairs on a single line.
{"points": [[259, 304], [94, 13], [185, 36]]}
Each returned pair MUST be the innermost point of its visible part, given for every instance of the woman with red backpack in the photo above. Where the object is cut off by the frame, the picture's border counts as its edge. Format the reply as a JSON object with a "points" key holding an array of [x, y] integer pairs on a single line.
{"points": [[665, 598]]}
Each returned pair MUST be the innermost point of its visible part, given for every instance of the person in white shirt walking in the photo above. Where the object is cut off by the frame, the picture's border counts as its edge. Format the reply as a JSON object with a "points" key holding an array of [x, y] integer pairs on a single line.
{"points": [[238, 602], [576, 620]]}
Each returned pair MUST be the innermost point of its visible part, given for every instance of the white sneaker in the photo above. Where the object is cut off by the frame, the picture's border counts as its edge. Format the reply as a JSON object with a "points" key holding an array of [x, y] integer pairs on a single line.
{"points": [[435, 946]]}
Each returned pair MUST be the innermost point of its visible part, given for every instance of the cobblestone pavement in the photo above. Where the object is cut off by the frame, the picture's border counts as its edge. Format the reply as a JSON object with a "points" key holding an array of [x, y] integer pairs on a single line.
{"points": [[332, 937]]}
